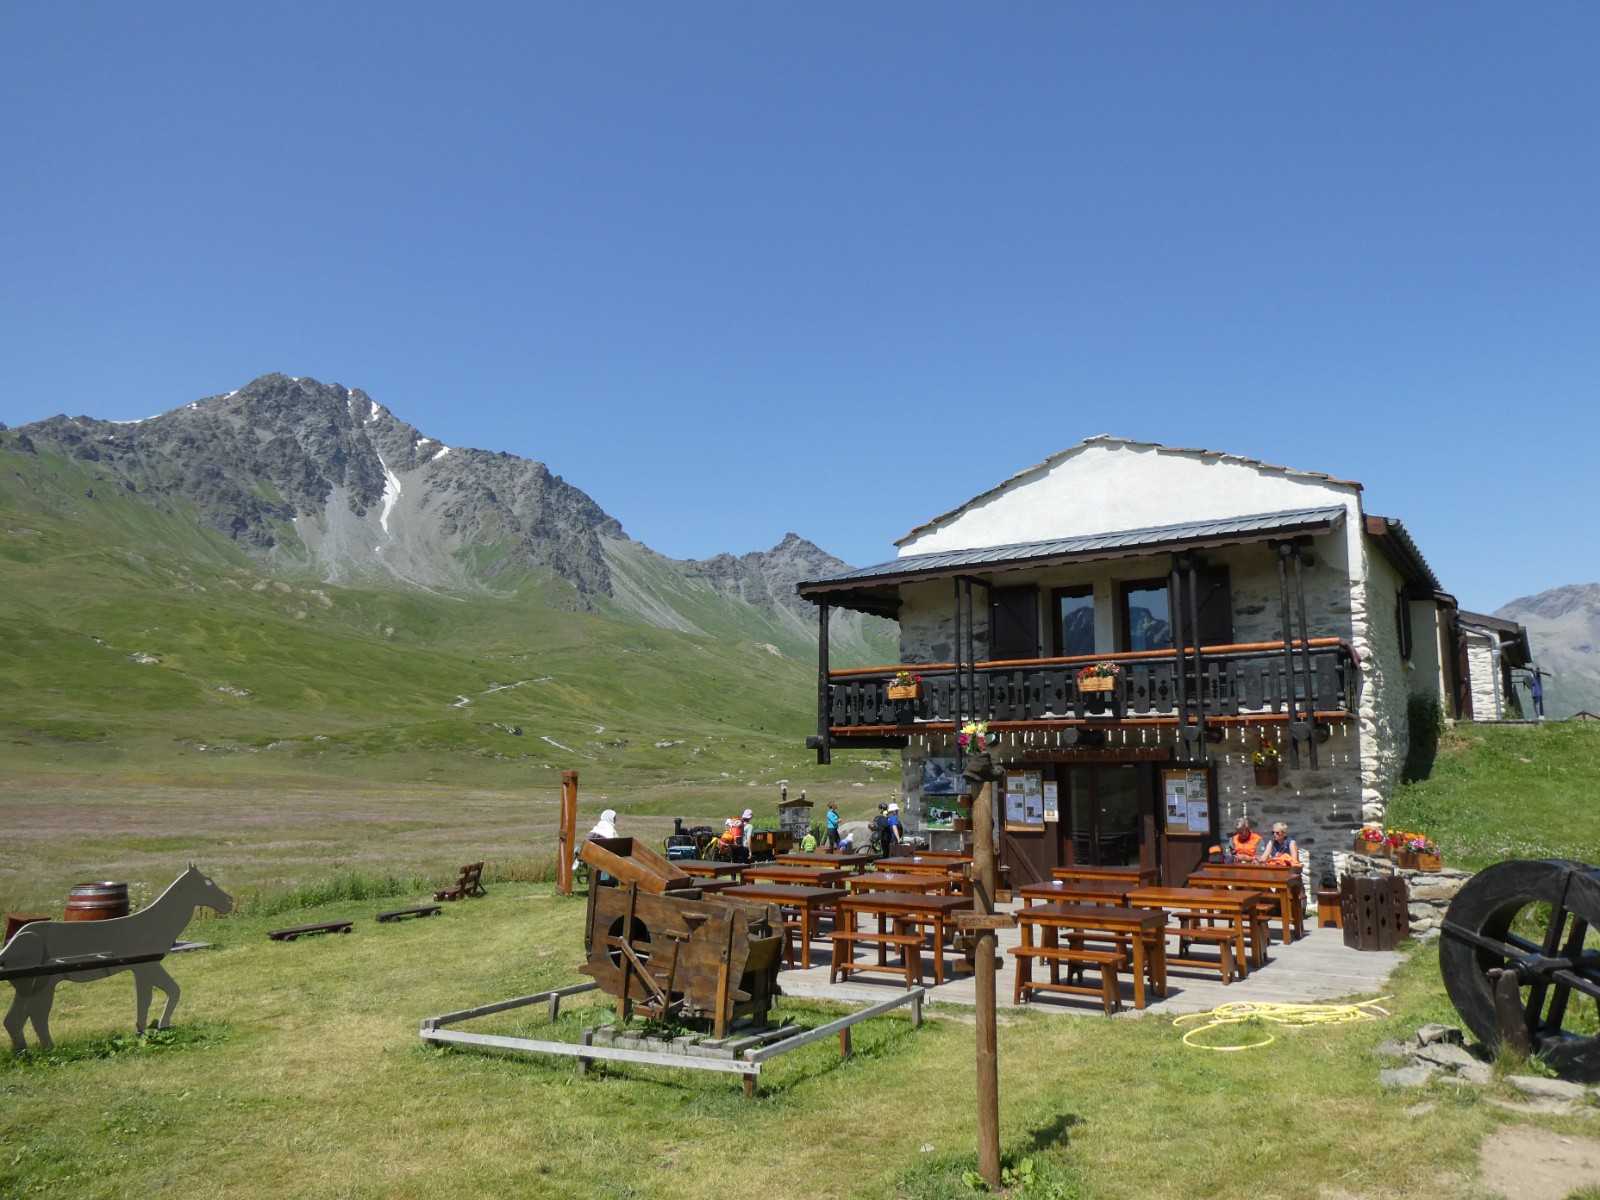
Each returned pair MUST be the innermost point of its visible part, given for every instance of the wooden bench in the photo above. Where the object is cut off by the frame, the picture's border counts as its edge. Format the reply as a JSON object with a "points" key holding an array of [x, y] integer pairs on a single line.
{"points": [[1225, 938], [470, 884], [298, 931], [1110, 964], [421, 910], [844, 940]]}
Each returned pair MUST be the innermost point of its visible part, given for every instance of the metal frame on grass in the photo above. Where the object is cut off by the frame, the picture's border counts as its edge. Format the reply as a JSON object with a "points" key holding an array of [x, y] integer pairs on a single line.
{"points": [[748, 1064]]}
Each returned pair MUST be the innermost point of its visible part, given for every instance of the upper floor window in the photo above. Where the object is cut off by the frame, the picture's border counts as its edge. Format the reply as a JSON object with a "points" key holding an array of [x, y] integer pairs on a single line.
{"points": [[1074, 620], [1145, 624]]}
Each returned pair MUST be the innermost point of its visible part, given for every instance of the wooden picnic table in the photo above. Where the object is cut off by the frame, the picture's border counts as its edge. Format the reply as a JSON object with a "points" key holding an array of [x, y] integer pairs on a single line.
{"points": [[1078, 891], [887, 881], [1133, 873], [714, 887], [702, 868], [1284, 884], [826, 877], [820, 858], [936, 911], [1200, 903], [809, 902], [954, 856], [1143, 929], [939, 868]]}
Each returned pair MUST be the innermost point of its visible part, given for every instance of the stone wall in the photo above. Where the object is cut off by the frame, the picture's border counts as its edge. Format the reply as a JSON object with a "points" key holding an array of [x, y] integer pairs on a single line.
{"points": [[1384, 684], [1481, 664], [1321, 807]]}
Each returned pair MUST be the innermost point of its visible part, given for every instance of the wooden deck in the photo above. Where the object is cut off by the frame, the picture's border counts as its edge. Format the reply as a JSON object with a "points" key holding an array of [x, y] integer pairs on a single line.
{"points": [[1318, 967]]}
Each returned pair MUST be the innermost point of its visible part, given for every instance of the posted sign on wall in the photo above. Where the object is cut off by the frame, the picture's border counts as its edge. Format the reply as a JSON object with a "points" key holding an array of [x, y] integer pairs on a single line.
{"points": [[1187, 795]]}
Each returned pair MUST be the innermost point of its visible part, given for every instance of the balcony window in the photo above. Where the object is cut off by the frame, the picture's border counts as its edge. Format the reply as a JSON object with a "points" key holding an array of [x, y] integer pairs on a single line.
{"points": [[1145, 624], [1074, 621]]}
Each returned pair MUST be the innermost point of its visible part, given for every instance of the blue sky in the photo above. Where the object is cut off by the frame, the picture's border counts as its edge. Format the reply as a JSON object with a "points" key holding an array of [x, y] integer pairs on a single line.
{"points": [[739, 269]]}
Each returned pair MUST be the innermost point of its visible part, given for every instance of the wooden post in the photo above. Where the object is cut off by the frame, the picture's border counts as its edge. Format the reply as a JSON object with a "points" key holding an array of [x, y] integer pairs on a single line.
{"points": [[985, 879], [566, 832]]}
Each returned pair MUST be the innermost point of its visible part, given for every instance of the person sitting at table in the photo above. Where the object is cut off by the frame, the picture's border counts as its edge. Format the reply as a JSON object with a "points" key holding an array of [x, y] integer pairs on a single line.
{"points": [[1280, 850], [1245, 843]]}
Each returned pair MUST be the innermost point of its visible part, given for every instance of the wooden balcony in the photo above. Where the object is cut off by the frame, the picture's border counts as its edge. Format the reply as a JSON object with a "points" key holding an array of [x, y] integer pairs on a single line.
{"points": [[1239, 683]]}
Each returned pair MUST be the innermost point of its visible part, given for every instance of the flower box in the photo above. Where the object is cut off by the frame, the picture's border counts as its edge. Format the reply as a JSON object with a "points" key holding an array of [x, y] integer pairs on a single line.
{"points": [[905, 691], [1410, 860], [1266, 774], [1097, 683]]}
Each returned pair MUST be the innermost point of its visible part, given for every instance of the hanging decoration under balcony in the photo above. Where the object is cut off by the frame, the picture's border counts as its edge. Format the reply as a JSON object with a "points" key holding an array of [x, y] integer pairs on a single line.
{"points": [[1265, 758]]}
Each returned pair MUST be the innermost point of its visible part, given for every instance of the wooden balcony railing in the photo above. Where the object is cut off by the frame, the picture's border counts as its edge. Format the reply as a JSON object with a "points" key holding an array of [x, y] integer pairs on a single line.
{"points": [[1234, 681]]}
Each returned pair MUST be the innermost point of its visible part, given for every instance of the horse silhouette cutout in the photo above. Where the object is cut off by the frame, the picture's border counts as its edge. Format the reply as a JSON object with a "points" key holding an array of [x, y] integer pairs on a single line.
{"points": [[150, 931]]}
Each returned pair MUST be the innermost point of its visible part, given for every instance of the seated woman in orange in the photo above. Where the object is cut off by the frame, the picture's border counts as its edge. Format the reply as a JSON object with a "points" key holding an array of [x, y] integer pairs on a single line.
{"points": [[1245, 843], [1281, 850]]}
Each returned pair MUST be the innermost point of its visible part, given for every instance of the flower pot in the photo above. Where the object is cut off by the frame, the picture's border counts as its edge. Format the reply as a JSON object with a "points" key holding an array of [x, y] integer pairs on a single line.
{"points": [[1370, 849], [1417, 861], [905, 691], [1266, 774], [1098, 683]]}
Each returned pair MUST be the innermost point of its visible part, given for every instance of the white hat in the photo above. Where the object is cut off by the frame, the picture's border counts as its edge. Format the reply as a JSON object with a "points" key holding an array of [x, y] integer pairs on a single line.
{"points": [[894, 808], [609, 816], [748, 815]]}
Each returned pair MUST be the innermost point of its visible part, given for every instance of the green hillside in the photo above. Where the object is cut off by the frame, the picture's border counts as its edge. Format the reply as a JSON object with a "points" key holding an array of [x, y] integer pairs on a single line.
{"points": [[132, 635], [1509, 791]]}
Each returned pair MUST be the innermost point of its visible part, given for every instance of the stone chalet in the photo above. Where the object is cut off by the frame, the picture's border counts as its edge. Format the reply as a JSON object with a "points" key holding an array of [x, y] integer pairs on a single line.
{"points": [[1241, 603]]}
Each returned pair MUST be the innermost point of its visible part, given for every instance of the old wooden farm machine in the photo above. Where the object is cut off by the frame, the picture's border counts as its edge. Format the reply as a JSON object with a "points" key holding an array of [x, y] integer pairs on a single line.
{"points": [[1520, 952], [660, 948]]}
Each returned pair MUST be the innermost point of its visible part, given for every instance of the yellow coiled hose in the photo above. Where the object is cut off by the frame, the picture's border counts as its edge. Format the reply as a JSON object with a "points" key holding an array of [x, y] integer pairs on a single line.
{"points": [[1292, 1015]]}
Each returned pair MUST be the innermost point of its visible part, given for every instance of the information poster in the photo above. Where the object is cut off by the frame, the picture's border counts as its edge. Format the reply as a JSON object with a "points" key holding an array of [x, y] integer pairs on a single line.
{"points": [[1199, 802], [1187, 797], [1052, 800], [1024, 800]]}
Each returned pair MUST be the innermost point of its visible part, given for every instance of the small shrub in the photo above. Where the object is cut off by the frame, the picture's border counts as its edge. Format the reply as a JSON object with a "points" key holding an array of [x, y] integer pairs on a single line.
{"points": [[1425, 715]]}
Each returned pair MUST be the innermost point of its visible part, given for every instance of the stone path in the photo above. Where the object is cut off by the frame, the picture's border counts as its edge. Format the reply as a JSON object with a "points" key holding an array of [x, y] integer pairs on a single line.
{"points": [[1317, 968]]}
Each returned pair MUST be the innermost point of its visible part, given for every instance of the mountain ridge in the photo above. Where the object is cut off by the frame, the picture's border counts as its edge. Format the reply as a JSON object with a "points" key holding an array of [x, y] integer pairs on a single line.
{"points": [[1563, 625], [322, 480]]}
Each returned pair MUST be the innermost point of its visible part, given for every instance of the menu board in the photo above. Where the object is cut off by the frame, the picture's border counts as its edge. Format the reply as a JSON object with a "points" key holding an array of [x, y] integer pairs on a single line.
{"points": [[1186, 795], [1024, 800], [1052, 800]]}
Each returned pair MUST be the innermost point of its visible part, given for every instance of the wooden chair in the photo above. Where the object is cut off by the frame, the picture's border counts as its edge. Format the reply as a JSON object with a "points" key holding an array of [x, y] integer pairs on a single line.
{"points": [[469, 884]]}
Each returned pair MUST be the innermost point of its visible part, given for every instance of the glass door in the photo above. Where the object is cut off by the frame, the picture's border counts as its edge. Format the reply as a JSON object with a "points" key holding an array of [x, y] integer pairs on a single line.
{"points": [[1104, 826]]}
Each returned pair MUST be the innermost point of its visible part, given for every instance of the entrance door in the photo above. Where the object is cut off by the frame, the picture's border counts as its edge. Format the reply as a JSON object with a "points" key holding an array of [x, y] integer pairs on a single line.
{"points": [[1105, 813]]}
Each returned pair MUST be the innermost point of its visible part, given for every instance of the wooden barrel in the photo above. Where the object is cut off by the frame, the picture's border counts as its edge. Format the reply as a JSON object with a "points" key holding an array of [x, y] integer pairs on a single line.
{"points": [[97, 901]]}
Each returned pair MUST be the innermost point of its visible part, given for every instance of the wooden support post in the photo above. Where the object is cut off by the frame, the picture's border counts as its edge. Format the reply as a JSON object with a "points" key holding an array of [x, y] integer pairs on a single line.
{"points": [[985, 879], [845, 1048], [567, 832], [587, 1040]]}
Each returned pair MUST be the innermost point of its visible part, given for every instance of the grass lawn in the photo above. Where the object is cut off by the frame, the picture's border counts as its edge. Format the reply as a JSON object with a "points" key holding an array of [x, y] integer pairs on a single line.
{"points": [[295, 1070], [1509, 791]]}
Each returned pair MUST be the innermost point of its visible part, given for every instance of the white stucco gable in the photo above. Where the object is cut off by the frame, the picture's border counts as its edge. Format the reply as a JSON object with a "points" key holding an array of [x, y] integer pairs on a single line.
{"points": [[1109, 484]]}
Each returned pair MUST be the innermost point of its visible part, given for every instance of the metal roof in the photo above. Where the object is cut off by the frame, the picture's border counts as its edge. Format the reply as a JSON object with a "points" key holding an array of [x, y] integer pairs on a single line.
{"points": [[1254, 527]]}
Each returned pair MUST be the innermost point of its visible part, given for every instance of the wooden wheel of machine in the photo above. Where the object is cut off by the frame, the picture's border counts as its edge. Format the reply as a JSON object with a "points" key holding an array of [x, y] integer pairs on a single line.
{"points": [[1518, 941]]}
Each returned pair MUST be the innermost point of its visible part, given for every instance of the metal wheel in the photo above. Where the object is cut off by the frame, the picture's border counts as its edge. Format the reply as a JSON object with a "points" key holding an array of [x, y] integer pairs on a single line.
{"points": [[1518, 941]]}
